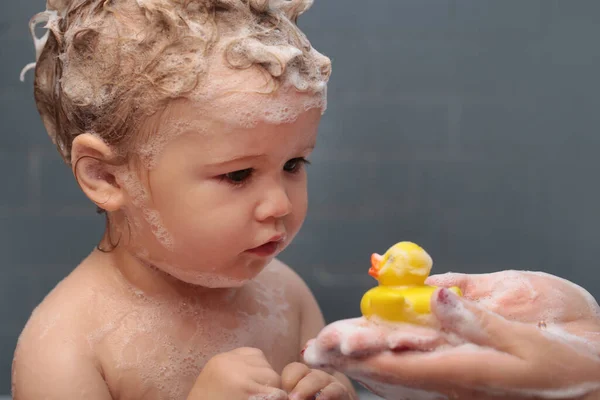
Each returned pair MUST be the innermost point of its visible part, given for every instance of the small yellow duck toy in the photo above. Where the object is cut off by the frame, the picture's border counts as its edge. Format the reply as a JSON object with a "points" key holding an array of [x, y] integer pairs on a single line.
{"points": [[401, 295]]}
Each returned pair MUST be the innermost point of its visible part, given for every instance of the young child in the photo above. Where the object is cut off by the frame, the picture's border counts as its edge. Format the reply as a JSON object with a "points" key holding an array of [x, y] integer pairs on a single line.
{"points": [[189, 124]]}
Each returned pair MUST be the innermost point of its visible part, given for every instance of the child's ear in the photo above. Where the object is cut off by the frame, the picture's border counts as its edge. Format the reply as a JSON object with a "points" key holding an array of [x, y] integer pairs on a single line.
{"points": [[93, 163]]}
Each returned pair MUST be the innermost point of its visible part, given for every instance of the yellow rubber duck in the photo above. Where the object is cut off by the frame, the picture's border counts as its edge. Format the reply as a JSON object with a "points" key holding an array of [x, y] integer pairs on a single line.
{"points": [[402, 295]]}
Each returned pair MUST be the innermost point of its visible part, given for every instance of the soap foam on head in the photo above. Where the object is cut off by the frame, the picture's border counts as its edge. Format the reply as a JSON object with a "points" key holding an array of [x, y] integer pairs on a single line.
{"points": [[119, 64], [107, 68]]}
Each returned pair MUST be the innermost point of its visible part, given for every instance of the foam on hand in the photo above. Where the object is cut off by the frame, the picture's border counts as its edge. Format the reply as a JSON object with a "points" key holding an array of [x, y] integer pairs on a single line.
{"points": [[318, 356], [525, 296], [592, 304]]}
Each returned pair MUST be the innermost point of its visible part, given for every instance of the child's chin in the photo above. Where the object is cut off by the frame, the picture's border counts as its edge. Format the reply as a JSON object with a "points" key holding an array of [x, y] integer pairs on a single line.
{"points": [[213, 281], [234, 277]]}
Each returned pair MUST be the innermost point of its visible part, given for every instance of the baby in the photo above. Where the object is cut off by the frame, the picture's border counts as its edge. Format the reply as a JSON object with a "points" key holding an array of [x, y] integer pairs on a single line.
{"points": [[189, 124]]}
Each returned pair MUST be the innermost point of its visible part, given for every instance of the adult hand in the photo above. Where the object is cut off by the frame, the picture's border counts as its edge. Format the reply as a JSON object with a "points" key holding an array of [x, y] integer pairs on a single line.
{"points": [[531, 297], [494, 358], [534, 298]]}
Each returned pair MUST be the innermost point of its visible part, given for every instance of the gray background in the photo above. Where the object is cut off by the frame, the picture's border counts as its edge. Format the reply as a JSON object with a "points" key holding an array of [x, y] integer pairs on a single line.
{"points": [[467, 126]]}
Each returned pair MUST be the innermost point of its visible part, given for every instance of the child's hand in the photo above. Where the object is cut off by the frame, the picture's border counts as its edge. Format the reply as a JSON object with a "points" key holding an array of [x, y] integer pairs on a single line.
{"points": [[240, 374], [303, 383]]}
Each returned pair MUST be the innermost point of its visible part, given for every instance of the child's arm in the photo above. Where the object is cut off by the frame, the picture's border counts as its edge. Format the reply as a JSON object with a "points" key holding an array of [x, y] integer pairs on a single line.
{"points": [[54, 369], [311, 323]]}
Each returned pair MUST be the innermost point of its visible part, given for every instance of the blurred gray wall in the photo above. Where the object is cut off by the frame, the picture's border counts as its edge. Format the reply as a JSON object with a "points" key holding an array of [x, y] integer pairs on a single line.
{"points": [[467, 126]]}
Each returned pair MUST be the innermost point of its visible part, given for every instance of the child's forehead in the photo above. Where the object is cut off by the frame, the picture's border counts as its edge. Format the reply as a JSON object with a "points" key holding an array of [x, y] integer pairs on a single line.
{"points": [[241, 104], [192, 132], [188, 117], [240, 122]]}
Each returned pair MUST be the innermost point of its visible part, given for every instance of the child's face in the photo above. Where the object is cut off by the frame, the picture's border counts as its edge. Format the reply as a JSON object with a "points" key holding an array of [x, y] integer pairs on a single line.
{"points": [[225, 199]]}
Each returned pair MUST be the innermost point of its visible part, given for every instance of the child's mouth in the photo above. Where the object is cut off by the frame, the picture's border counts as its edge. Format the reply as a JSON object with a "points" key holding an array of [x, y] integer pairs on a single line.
{"points": [[266, 250]]}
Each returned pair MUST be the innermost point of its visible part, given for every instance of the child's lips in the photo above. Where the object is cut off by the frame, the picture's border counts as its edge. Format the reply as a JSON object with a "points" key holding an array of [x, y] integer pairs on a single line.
{"points": [[266, 250]]}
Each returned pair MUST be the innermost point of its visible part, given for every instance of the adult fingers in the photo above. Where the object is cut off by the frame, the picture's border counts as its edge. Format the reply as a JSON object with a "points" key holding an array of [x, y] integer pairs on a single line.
{"points": [[478, 325]]}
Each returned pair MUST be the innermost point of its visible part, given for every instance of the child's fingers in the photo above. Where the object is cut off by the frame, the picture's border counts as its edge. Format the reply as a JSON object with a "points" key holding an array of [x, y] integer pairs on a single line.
{"points": [[265, 376], [253, 357], [310, 385], [333, 391], [292, 374]]}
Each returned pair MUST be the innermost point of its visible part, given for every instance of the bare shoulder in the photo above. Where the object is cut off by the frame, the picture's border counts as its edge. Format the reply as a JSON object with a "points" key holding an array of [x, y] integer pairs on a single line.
{"points": [[52, 352], [300, 294], [67, 309], [290, 278], [52, 367], [279, 274]]}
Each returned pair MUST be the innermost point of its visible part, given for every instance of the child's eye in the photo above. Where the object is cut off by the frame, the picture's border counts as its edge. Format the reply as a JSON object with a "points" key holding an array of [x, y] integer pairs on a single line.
{"points": [[238, 177], [295, 164]]}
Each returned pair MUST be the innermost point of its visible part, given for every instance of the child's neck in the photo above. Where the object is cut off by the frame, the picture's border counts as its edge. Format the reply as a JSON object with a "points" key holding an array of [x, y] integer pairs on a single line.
{"points": [[140, 277]]}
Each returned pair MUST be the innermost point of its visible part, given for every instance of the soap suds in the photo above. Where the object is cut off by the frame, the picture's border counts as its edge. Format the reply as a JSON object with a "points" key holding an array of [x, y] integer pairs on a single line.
{"points": [[109, 68], [525, 296], [582, 345], [592, 302], [140, 198], [164, 355]]}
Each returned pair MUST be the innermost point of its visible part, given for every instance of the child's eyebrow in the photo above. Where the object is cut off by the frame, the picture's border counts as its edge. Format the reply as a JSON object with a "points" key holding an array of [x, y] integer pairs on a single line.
{"points": [[247, 157], [220, 163]]}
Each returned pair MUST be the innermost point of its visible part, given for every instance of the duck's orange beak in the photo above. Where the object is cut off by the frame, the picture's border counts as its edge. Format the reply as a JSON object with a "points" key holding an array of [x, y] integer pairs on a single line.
{"points": [[375, 265]]}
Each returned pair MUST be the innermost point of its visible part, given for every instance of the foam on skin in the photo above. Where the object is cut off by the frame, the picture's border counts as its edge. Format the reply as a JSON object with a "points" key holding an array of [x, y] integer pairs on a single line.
{"points": [[164, 361]]}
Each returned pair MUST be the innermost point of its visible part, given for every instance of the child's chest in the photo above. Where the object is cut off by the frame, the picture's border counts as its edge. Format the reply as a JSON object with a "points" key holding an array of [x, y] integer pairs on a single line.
{"points": [[151, 351]]}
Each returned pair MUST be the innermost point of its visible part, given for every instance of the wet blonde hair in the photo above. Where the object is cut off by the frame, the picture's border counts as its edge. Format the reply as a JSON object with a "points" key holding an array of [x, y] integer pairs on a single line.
{"points": [[105, 66]]}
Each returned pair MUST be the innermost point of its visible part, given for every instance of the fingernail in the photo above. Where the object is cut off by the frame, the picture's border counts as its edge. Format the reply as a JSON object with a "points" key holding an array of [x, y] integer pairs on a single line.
{"points": [[445, 296]]}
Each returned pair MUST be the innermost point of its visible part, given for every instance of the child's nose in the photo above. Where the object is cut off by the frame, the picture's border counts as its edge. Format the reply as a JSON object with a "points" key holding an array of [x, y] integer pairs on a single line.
{"points": [[275, 204]]}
